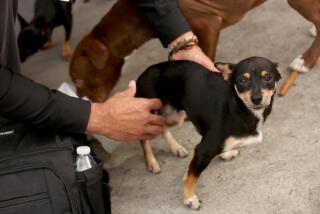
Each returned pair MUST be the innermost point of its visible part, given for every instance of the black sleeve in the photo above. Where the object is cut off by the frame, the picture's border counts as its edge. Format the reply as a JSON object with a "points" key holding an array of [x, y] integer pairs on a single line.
{"points": [[23, 100], [165, 18]]}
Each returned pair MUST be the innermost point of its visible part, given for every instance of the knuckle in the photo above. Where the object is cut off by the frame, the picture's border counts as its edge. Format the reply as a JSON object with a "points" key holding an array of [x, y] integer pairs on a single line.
{"points": [[161, 120], [118, 94], [143, 130], [157, 131], [148, 116]]}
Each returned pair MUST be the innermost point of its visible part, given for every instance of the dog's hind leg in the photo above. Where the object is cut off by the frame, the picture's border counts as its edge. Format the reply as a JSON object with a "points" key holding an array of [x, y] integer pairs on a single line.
{"points": [[173, 118], [174, 146], [149, 158], [208, 148]]}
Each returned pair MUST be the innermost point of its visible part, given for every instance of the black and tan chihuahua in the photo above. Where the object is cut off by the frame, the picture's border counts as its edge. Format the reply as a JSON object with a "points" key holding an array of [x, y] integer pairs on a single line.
{"points": [[227, 109]]}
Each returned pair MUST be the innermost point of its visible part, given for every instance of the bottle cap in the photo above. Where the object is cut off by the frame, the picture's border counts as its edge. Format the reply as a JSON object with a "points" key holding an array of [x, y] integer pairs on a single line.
{"points": [[83, 150]]}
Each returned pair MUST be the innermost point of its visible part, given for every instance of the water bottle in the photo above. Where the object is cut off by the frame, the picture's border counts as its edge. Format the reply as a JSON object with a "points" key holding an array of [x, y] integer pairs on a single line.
{"points": [[84, 159]]}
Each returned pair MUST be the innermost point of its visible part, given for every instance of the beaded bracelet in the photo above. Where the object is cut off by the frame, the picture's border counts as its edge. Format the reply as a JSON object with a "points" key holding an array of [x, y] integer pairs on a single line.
{"points": [[185, 44]]}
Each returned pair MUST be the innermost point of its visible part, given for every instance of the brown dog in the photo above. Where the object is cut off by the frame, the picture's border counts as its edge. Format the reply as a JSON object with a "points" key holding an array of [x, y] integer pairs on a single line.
{"points": [[97, 61]]}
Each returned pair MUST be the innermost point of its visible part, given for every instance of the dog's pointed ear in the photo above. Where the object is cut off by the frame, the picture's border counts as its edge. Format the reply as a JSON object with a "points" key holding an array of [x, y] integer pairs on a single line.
{"points": [[279, 71], [226, 69], [40, 23], [22, 21], [96, 51]]}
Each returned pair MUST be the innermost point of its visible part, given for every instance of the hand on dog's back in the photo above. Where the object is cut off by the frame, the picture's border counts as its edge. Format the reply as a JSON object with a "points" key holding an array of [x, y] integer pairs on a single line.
{"points": [[195, 54], [124, 117]]}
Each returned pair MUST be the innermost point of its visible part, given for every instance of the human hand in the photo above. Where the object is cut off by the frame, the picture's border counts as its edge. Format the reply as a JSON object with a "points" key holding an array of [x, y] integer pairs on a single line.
{"points": [[192, 53], [195, 54], [125, 117]]}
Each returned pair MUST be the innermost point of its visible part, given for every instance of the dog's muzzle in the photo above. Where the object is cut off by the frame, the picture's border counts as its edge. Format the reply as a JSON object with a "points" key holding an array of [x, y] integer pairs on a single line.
{"points": [[256, 99]]}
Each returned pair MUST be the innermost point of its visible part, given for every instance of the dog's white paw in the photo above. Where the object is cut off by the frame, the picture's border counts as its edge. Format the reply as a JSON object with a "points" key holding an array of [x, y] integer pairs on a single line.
{"points": [[298, 65], [179, 151], [313, 31], [229, 155], [193, 202], [153, 166]]}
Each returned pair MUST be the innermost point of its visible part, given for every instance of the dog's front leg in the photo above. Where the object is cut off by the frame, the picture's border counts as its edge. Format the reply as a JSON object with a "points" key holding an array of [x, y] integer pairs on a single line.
{"points": [[207, 28], [208, 148], [309, 9]]}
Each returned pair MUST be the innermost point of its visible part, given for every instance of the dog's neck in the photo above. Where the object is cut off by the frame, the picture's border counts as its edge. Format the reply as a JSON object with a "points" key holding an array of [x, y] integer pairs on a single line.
{"points": [[259, 114], [125, 34]]}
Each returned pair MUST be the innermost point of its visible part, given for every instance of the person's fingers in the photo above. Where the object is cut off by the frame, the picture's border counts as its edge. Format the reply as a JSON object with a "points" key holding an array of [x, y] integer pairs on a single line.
{"points": [[153, 130], [156, 120], [210, 66], [216, 69], [147, 137], [154, 104], [130, 91], [127, 137]]}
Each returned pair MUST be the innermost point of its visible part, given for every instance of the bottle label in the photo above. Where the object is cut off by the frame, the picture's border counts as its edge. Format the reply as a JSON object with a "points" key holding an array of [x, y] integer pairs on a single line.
{"points": [[83, 163]]}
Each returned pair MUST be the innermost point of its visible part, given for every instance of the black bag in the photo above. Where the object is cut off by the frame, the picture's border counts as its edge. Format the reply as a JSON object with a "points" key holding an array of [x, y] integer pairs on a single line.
{"points": [[37, 175]]}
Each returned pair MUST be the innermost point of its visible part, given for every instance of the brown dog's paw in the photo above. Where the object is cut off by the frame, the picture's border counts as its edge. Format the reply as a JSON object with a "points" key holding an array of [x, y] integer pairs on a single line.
{"points": [[193, 202]]}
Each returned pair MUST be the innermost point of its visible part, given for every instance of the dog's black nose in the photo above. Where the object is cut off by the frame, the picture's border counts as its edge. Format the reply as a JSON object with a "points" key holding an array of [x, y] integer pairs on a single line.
{"points": [[256, 99]]}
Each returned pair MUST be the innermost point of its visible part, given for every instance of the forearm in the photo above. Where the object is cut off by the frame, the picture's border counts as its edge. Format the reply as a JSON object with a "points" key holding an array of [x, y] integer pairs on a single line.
{"points": [[165, 18], [23, 100]]}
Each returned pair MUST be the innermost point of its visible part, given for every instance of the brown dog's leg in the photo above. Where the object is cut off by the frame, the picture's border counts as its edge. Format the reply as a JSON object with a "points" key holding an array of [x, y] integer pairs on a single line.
{"points": [[310, 9], [149, 158], [207, 29], [312, 54]]}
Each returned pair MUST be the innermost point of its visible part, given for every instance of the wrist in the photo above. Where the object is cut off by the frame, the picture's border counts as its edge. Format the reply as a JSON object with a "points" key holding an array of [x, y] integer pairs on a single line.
{"points": [[180, 38], [184, 43], [185, 54], [93, 122]]}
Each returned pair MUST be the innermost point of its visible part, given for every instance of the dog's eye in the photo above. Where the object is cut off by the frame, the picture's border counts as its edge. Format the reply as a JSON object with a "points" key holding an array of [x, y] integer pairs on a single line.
{"points": [[267, 78], [243, 80]]}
